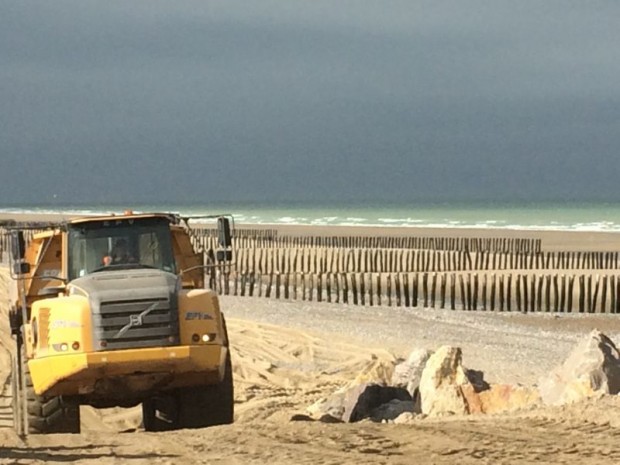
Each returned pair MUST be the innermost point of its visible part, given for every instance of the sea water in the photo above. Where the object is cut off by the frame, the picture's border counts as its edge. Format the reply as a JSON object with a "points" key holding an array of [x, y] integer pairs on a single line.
{"points": [[533, 216]]}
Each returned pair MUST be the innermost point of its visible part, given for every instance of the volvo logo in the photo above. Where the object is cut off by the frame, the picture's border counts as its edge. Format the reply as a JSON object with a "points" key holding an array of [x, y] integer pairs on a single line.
{"points": [[135, 320]]}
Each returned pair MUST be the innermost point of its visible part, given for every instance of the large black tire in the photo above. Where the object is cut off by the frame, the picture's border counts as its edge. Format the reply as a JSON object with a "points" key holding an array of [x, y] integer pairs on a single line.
{"points": [[48, 415], [193, 407], [211, 405], [160, 413]]}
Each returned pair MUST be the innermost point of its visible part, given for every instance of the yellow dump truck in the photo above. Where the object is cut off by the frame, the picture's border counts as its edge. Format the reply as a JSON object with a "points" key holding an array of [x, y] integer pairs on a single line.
{"points": [[112, 311]]}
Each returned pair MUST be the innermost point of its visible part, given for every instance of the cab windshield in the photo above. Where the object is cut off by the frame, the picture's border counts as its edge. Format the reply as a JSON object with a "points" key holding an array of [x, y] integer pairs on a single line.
{"points": [[120, 244]]}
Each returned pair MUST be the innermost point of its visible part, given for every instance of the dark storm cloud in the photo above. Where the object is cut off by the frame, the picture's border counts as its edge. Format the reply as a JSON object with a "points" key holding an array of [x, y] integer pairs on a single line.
{"points": [[318, 101]]}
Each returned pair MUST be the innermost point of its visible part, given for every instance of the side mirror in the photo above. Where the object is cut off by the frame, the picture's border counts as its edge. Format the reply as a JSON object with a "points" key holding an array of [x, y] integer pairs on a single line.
{"points": [[223, 232], [21, 267], [18, 245]]}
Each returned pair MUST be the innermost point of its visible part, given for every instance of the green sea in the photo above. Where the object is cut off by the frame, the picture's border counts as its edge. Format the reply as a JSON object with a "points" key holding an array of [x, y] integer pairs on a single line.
{"points": [[531, 216]]}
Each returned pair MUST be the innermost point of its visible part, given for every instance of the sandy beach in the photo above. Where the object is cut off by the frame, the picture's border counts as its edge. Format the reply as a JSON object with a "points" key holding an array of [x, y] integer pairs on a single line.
{"points": [[287, 355]]}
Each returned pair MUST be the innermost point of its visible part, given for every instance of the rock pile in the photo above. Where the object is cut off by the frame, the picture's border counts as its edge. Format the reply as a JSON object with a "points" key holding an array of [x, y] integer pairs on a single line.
{"points": [[592, 369], [436, 384]]}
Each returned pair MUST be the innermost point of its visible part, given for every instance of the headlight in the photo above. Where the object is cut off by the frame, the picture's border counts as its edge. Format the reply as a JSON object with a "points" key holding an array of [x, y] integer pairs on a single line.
{"points": [[62, 347]]}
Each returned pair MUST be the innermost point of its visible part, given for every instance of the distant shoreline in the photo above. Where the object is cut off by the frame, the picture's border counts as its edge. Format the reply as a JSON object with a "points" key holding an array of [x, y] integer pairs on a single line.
{"points": [[568, 217], [561, 240]]}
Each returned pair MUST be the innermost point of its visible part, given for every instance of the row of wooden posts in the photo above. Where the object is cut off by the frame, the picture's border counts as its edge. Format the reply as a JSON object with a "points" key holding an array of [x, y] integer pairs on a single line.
{"points": [[238, 233], [454, 279], [205, 238], [331, 260], [248, 238], [585, 293], [5, 242]]}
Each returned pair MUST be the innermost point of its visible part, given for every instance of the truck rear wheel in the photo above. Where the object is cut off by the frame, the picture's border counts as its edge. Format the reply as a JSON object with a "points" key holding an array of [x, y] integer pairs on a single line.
{"points": [[211, 405], [44, 415], [194, 407], [160, 413]]}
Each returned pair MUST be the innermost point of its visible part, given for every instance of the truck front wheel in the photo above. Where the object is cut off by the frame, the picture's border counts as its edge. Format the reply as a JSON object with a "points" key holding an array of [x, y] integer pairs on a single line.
{"points": [[210, 405], [44, 415], [192, 407], [160, 413]]}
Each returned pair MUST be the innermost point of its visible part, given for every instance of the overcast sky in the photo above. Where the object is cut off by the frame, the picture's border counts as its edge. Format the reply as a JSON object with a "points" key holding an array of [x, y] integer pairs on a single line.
{"points": [[314, 101]]}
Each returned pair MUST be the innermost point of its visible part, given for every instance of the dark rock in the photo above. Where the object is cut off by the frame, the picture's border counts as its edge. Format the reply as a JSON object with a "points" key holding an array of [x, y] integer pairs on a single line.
{"points": [[476, 379], [327, 418], [361, 400], [391, 410]]}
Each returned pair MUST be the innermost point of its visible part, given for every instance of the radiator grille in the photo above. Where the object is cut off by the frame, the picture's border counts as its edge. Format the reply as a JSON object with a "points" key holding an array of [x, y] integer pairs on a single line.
{"points": [[125, 324]]}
